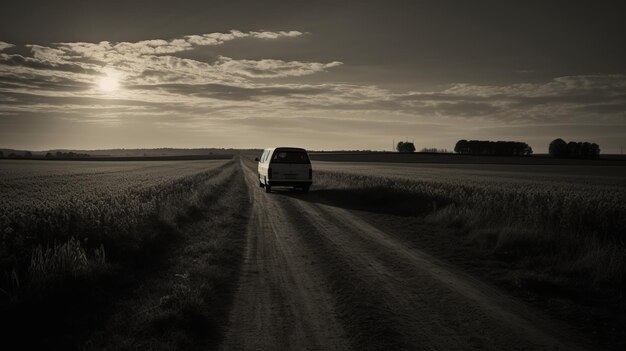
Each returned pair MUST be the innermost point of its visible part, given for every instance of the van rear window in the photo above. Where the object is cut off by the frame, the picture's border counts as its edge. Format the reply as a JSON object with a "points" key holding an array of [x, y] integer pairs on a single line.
{"points": [[290, 157]]}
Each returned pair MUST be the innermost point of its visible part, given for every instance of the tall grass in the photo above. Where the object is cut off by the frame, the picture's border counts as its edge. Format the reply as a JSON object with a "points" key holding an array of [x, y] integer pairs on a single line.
{"points": [[186, 304], [66, 261], [67, 258], [55, 235], [575, 234]]}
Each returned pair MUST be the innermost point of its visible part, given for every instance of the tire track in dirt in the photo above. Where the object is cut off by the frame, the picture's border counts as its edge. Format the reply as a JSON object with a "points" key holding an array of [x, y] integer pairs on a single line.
{"points": [[314, 272], [281, 302], [429, 303]]}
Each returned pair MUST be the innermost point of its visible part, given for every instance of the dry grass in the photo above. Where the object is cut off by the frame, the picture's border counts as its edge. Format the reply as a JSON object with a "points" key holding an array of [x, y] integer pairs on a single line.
{"points": [[66, 261], [69, 258], [578, 235], [111, 212], [185, 306]]}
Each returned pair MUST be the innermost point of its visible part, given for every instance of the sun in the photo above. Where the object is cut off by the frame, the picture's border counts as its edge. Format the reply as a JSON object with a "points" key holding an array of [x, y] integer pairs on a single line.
{"points": [[109, 83]]}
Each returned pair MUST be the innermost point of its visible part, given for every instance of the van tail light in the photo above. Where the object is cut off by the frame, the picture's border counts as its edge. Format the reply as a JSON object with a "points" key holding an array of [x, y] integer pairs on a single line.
{"points": [[310, 173], [269, 172]]}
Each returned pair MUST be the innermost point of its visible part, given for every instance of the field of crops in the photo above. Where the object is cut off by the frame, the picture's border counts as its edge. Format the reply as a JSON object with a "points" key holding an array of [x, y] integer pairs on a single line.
{"points": [[116, 237], [505, 174], [27, 183], [78, 238], [568, 221], [71, 219]]}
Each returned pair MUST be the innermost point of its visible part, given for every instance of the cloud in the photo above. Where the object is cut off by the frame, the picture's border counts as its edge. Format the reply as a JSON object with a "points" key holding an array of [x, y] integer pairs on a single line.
{"points": [[560, 98], [162, 46], [557, 87], [276, 35], [271, 68], [153, 61], [464, 109], [152, 47], [41, 82], [224, 92], [5, 45], [35, 63], [47, 54], [220, 38], [233, 92]]}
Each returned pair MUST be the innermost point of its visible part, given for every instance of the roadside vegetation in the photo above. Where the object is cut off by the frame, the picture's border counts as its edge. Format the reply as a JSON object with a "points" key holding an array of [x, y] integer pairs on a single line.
{"points": [[559, 245], [562, 237], [82, 249], [185, 305]]}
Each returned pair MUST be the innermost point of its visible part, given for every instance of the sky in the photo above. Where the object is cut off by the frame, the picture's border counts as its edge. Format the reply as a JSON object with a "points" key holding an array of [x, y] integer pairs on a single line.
{"points": [[325, 75]]}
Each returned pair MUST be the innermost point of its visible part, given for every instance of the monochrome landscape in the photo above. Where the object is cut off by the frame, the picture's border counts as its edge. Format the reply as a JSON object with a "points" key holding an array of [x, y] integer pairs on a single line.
{"points": [[358, 175]]}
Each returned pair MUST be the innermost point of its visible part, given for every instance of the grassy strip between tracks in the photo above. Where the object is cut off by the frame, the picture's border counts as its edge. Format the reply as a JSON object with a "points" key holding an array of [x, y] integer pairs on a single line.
{"points": [[165, 283], [564, 251]]}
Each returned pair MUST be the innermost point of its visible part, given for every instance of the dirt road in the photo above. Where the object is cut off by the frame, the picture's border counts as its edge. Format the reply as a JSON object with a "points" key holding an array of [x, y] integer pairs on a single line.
{"points": [[318, 277]]}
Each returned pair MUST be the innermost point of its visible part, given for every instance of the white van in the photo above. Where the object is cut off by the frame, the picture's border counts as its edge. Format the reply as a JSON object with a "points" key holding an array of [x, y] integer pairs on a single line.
{"points": [[285, 166]]}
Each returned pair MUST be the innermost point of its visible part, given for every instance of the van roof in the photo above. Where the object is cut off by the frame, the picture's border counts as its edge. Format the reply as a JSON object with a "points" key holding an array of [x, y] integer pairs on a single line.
{"points": [[286, 148]]}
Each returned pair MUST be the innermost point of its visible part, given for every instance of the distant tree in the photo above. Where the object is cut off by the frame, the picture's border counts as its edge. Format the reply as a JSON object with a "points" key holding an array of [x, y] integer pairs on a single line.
{"points": [[573, 149], [405, 147], [49, 155], [528, 150], [501, 148], [462, 147], [558, 148], [59, 154], [434, 150], [594, 151], [28, 154], [12, 155], [1, 154]]}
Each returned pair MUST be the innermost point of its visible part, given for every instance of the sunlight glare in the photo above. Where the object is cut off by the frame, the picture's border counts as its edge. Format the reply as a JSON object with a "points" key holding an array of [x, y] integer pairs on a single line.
{"points": [[109, 83]]}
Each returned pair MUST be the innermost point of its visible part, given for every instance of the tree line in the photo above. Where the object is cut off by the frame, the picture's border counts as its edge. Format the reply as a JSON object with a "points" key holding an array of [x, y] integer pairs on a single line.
{"points": [[500, 148], [58, 154], [26, 154], [70, 154], [561, 149]]}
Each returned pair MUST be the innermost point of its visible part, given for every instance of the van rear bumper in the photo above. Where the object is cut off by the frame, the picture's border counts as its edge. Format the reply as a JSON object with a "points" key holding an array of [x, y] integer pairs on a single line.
{"points": [[289, 182]]}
